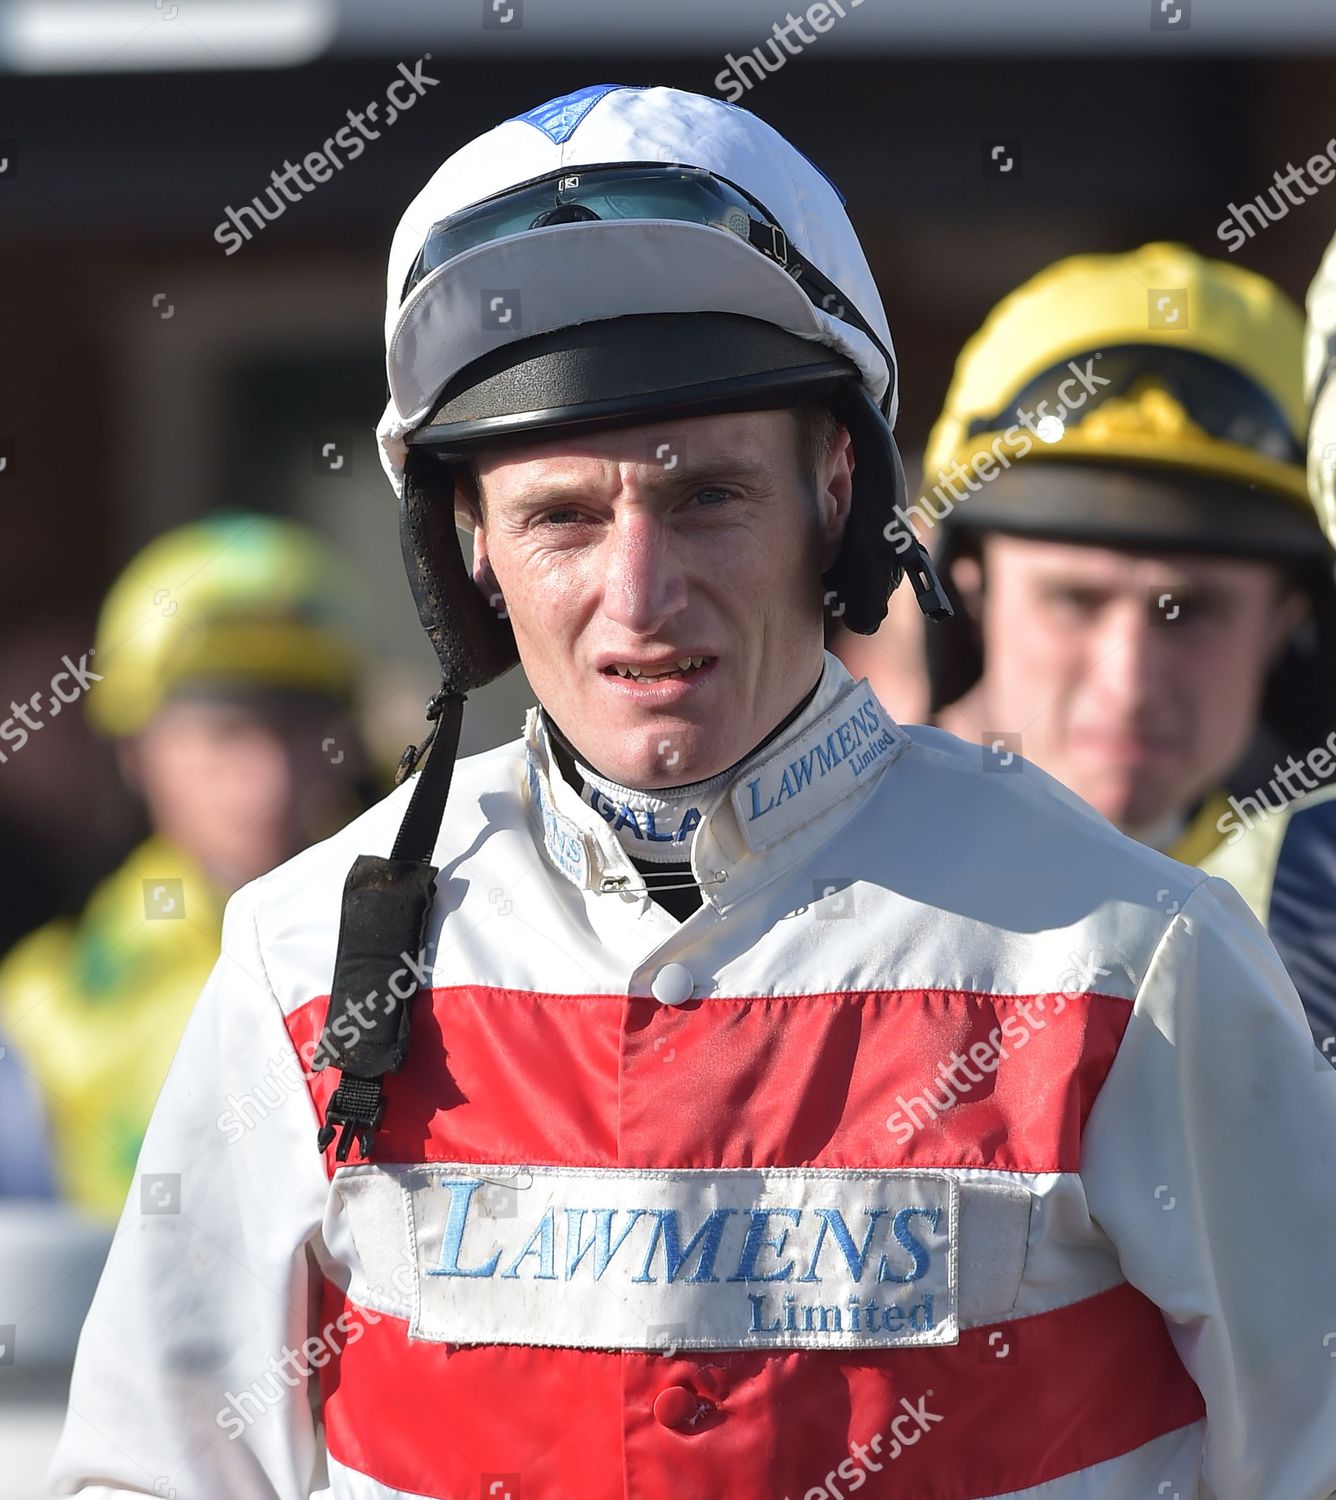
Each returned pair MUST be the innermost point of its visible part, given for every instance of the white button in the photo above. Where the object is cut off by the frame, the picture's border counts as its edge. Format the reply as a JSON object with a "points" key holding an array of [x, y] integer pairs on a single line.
{"points": [[672, 984]]}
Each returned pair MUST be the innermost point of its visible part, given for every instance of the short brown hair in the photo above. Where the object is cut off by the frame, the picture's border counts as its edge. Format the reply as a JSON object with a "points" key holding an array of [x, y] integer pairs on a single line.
{"points": [[817, 427], [469, 487]]}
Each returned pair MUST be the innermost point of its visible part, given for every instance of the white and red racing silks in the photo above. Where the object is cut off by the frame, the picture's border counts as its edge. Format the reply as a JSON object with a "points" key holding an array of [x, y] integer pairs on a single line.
{"points": [[957, 1147]]}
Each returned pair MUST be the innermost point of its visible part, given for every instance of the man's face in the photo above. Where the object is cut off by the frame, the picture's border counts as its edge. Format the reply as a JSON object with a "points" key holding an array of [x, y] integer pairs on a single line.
{"points": [[242, 786], [1134, 679], [698, 538]]}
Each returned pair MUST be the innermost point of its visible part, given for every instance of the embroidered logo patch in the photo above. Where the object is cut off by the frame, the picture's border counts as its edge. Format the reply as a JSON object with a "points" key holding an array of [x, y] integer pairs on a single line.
{"points": [[562, 838], [849, 745], [593, 1259]]}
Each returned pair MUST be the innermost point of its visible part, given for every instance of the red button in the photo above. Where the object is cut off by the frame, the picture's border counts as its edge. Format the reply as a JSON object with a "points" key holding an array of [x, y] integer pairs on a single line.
{"points": [[675, 1406]]}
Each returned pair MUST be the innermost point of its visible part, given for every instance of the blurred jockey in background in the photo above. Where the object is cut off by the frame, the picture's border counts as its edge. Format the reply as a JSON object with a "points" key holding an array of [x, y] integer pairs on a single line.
{"points": [[1118, 487], [227, 684], [1282, 855]]}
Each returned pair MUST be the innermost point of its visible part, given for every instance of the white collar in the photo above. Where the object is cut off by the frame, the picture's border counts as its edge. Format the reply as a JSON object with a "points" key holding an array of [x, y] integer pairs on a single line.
{"points": [[838, 746]]}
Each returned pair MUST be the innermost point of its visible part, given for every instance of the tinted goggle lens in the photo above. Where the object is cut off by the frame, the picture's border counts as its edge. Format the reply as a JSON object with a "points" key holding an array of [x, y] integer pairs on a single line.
{"points": [[686, 194], [1219, 399]]}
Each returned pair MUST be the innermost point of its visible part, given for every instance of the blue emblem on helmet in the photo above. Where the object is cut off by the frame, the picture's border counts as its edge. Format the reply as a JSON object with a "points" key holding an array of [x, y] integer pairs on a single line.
{"points": [[559, 118]]}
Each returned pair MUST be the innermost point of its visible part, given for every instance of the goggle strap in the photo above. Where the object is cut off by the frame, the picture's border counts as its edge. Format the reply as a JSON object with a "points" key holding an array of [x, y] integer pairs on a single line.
{"points": [[775, 245], [770, 240]]}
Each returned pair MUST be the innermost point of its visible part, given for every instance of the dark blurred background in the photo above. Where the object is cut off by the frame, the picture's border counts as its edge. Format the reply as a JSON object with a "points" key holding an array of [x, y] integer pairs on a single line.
{"points": [[149, 377]]}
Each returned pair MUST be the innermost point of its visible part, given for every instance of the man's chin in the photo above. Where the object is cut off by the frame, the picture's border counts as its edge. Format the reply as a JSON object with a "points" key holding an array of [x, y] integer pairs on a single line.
{"points": [[663, 768]]}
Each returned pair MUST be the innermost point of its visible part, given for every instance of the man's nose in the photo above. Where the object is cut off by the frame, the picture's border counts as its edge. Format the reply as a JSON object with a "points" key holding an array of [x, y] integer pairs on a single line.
{"points": [[1129, 665], [644, 582], [270, 764]]}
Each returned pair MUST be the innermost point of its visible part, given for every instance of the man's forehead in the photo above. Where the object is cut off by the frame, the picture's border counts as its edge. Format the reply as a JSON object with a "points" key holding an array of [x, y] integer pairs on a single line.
{"points": [[661, 445], [1078, 561]]}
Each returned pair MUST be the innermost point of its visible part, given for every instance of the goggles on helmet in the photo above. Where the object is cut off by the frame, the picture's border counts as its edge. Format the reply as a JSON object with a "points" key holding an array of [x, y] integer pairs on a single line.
{"points": [[633, 190], [1219, 399]]}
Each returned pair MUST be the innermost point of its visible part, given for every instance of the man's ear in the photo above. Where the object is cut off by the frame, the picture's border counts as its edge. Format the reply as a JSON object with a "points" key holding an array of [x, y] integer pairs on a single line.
{"points": [[129, 764], [835, 490], [483, 575], [466, 493], [1292, 613], [967, 580]]}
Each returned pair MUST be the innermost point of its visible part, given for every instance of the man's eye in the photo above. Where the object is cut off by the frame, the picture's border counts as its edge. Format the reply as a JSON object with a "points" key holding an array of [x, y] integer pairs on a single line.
{"points": [[712, 496], [1208, 609], [1077, 601]]}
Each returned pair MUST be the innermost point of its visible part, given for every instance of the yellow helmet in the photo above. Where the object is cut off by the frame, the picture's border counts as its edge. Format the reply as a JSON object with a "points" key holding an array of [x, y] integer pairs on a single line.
{"points": [[1320, 388], [1184, 370], [237, 600]]}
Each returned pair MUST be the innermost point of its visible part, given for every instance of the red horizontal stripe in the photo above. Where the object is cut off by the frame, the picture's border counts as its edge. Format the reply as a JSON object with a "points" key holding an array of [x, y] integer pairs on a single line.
{"points": [[809, 1080], [1072, 1388]]}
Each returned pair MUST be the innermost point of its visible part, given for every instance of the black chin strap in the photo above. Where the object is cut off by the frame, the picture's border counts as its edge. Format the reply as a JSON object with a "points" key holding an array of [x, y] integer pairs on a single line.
{"points": [[382, 936]]}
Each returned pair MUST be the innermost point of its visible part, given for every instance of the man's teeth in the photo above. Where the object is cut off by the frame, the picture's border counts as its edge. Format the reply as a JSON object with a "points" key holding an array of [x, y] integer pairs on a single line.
{"points": [[683, 664]]}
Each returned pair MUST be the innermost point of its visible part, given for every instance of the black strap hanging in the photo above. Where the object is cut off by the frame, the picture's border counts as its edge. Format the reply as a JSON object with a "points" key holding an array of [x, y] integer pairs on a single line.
{"points": [[382, 933]]}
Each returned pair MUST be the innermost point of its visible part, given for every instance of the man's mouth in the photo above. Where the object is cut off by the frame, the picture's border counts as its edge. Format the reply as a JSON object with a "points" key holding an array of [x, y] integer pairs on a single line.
{"points": [[1127, 748], [682, 666]]}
